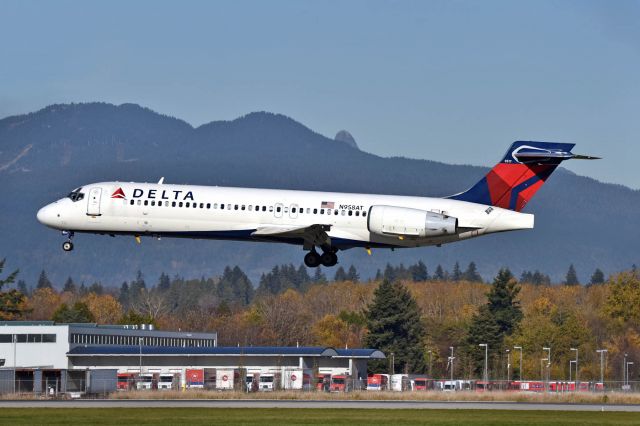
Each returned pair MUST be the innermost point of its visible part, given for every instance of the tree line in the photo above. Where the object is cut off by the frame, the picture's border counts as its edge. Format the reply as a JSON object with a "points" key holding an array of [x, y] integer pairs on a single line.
{"points": [[416, 320]]}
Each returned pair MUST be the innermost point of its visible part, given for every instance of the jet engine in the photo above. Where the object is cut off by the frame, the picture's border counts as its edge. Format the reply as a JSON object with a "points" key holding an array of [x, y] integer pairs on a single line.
{"points": [[403, 221]]}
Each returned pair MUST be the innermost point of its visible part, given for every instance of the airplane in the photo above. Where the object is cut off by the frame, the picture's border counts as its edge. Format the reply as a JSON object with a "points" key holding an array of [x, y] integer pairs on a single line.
{"points": [[329, 221]]}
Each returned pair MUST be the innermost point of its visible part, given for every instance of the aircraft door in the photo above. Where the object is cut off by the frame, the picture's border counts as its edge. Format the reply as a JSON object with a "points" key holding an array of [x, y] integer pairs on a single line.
{"points": [[93, 203], [277, 212], [293, 211]]}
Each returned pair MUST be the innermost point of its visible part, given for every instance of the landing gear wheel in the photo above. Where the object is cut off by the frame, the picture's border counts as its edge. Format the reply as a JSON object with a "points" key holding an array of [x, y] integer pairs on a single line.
{"points": [[67, 246], [328, 259], [312, 259]]}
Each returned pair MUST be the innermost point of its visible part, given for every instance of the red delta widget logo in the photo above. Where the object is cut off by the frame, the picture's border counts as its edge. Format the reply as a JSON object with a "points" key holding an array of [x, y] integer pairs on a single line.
{"points": [[118, 193]]}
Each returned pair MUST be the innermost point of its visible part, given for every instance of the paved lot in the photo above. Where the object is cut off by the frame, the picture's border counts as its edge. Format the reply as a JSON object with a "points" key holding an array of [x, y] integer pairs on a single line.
{"points": [[186, 403]]}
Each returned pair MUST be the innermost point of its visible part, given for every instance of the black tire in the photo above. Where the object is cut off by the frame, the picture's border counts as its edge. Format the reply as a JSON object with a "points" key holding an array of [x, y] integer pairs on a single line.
{"points": [[67, 246], [312, 259], [328, 259]]}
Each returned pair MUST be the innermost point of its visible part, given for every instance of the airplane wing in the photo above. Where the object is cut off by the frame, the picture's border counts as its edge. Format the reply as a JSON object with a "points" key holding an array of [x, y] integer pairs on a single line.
{"points": [[314, 234]]}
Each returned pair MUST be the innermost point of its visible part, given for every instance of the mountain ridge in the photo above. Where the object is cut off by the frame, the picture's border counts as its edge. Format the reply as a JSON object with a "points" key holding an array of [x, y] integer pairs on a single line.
{"points": [[74, 144]]}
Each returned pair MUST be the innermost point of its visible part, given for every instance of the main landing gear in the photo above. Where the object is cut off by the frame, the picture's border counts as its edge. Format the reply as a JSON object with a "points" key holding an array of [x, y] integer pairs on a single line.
{"points": [[67, 245], [328, 258]]}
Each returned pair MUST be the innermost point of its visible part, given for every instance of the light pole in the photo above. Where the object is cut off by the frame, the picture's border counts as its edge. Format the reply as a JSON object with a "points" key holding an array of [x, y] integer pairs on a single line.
{"points": [[571, 361], [520, 349], [576, 350], [542, 368], [602, 352], [548, 365], [14, 337], [624, 369], [627, 368], [393, 363], [430, 364], [508, 365], [140, 346], [485, 374], [451, 358]]}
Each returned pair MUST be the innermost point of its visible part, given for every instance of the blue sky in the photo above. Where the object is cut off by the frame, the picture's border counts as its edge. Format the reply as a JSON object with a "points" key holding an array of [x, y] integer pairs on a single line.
{"points": [[454, 81]]}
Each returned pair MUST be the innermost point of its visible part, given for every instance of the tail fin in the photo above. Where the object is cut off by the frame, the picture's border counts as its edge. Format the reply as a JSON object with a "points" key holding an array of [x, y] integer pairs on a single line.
{"points": [[521, 173]]}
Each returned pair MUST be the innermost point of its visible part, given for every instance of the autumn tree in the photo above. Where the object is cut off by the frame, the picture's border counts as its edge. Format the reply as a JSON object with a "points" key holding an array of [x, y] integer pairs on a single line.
{"points": [[12, 302], [43, 303], [105, 309], [395, 325]]}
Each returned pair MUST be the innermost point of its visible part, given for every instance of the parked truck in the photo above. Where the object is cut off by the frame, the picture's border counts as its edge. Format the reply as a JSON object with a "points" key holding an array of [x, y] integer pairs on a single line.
{"points": [[224, 379]]}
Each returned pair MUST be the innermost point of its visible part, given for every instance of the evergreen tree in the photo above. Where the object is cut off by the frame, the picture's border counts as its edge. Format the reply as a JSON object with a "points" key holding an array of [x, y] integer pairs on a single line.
{"points": [[134, 318], [69, 286], [439, 275], [82, 290], [96, 288], [340, 275], [303, 277], [572, 276], [456, 275], [495, 320], [22, 288], [352, 274], [12, 302], [471, 273], [319, 277], [395, 325], [379, 275], [538, 278], [526, 277], [78, 313], [597, 277], [43, 281], [123, 297], [136, 287], [419, 272], [235, 287], [164, 283]]}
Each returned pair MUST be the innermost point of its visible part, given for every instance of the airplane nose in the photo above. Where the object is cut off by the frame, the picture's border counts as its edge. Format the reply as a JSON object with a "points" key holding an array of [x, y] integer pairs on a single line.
{"points": [[46, 215]]}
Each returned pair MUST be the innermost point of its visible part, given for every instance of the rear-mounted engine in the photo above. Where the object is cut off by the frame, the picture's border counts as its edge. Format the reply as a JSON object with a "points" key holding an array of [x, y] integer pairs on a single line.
{"points": [[402, 221]]}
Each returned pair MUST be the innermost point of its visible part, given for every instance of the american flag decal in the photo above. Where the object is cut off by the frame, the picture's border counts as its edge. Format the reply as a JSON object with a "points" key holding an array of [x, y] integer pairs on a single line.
{"points": [[327, 205]]}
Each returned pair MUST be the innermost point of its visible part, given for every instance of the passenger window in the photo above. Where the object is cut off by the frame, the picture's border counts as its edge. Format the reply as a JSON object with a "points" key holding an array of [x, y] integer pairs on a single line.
{"points": [[208, 205], [357, 212], [180, 204], [321, 211], [215, 205], [257, 208], [173, 204], [308, 210], [187, 204], [235, 207], [242, 208], [132, 201], [201, 205], [221, 206], [146, 203], [153, 203], [315, 211], [264, 208], [139, 202], [343, 212], [350, 212], [250, 208], [335, 212], [270, 209], [278, 209], [329, 211], [195, 205], [364, 214]]}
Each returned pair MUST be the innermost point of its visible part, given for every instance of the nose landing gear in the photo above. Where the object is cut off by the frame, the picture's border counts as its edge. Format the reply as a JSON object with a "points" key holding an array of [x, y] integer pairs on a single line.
{"points": [[67, 245]]}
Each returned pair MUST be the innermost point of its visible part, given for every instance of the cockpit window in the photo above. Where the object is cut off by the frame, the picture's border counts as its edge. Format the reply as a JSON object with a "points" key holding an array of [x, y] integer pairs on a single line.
{"points": [[76, 195]]}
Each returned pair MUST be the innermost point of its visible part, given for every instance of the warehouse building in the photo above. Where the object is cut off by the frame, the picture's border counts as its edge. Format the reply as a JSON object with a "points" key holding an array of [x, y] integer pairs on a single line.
{"points": [[88, 358]]}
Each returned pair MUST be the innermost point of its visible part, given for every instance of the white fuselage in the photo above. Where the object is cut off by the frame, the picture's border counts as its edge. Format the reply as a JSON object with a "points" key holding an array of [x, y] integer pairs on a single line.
{"points": [[192, 211]]}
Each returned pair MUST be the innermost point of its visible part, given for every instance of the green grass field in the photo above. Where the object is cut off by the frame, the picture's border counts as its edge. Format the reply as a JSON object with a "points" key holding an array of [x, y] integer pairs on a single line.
{"points": [[303, 416]]}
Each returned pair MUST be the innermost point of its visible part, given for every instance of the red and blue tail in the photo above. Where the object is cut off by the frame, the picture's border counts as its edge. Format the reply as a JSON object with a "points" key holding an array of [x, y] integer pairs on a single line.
{"points": [[521, 173]]}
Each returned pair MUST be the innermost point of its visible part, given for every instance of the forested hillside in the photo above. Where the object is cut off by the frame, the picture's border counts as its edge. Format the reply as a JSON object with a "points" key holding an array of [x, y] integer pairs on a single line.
{"points": [[45, 154]]}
